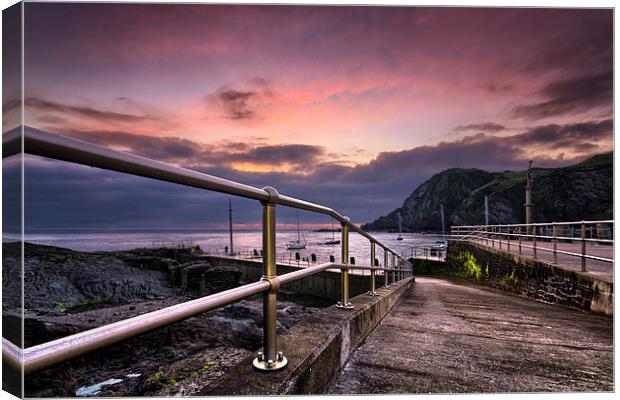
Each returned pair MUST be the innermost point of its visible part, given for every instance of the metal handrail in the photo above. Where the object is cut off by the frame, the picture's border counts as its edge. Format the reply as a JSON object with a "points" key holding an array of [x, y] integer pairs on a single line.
{"points": [[523, 235], [424, 252], [496, 233], [568, 253], [606, 221], [76, 151]]}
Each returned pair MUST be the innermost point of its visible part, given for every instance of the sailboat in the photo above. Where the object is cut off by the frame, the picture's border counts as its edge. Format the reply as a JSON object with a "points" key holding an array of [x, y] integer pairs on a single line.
{"points": [[297, 244], [400, 237], [333, 240], [231, 251]]}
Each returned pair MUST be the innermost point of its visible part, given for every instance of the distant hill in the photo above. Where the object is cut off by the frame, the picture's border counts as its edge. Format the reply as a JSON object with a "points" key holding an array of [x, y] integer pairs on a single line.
{"points": [[580, 192]]}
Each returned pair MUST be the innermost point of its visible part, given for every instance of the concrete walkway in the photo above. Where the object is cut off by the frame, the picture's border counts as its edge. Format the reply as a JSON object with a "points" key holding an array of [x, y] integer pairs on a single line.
{"points": [[450, 337]]}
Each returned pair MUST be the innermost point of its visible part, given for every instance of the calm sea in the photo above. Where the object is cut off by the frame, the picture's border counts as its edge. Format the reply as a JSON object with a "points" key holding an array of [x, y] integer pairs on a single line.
{"points": [[243, 241]]}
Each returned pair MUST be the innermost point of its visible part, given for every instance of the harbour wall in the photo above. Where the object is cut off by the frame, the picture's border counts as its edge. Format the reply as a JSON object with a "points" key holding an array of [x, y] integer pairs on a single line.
{"points": [[325, 284], [526, 277]]}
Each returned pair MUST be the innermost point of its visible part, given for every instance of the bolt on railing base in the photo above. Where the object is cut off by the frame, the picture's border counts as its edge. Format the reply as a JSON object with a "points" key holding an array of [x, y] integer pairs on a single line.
{"points": [[346, 306], [373, 293], [269, 365]]}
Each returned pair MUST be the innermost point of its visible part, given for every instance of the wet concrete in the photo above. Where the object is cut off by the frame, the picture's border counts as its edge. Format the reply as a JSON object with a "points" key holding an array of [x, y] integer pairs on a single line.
{"points": [[453, 337], [316, 349]]}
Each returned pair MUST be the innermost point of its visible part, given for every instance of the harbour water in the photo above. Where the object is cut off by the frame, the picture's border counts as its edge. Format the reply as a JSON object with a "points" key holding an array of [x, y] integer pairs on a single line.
{"points": [[243, 242]]}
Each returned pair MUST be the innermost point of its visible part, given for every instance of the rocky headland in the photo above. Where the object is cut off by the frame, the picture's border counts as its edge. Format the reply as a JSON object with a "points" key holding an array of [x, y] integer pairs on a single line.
{"points": [[579, 192]]}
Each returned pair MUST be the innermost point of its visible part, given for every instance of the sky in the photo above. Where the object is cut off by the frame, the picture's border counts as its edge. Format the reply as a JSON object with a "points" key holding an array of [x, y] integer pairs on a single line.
{"points": [[350, 107]]}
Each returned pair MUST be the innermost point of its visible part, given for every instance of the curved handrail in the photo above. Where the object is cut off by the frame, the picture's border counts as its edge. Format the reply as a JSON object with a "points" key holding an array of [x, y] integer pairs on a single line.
{"points": [[58, 147]]}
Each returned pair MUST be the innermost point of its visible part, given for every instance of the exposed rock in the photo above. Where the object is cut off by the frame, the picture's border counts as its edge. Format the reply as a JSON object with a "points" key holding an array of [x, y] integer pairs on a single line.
{"points": [[579, 192], [67, 292], [57, 281]]}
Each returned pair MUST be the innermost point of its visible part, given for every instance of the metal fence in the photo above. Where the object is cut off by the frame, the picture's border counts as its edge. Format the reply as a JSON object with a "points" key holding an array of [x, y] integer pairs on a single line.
{"points": [[427, 252], [76, 151], [539, 236]]}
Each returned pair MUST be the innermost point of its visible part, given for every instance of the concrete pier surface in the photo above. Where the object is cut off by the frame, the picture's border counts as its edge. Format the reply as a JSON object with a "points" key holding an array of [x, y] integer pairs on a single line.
{"points": [[448, 336], [598, 269]]}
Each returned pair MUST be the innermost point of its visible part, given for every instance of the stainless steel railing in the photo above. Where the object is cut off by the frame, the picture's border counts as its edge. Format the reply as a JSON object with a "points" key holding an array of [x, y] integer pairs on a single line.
{"points": [[76, 151], [521, 235]]}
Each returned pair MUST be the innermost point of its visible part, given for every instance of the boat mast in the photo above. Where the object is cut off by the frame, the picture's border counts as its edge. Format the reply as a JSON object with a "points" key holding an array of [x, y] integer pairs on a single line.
{"points": [[399, 225], [443, 224], [298, 238], [230, 225]]}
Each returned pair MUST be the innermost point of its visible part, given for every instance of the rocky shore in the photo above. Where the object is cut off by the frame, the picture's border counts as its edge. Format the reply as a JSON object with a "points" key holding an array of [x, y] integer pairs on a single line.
{"points": [[68, 291]]}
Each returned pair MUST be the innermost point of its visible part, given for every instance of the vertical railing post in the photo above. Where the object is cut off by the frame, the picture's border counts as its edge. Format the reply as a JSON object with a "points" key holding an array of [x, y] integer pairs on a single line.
{"points": [[583, 246], [519, 235], [508, 238], [344, 276], [535, 234], [270, 359], [386, 262], [499, 239], [394, 268], [397, 270], [372, 291], [555, 243]]}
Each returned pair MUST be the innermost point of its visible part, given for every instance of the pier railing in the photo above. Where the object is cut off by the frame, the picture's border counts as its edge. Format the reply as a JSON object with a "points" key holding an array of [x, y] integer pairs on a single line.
{"points": [[539, 236], [427, 252], [76, 151]]}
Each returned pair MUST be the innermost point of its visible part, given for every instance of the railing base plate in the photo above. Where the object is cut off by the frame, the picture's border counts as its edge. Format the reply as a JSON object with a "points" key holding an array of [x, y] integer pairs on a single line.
{"points": [[372, 293], [346, 306], [265, 366]]}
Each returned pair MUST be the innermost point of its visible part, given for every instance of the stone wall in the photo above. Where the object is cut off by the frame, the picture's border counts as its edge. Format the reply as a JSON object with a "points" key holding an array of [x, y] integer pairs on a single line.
{"points": [[427, 267], [525, 277], [325, 284]]}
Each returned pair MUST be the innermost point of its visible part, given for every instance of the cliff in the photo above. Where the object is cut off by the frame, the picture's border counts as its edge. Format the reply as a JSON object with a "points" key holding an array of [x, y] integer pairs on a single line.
{"points": [[579, 192]]}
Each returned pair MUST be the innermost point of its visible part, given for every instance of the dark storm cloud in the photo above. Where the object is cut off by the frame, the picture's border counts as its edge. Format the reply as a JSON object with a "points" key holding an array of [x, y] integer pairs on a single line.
{"points": [[299, 154], [60, 194], [482, 126], [393, 173], [571, 135], [63, 195], [236, 103], [239, 104], [575, 95], [178, 150], [93, 113], [159, 148]]}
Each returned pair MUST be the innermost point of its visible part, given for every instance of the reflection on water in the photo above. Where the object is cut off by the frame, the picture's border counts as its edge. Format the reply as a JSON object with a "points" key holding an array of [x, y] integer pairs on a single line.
{"points": [[246, 241]]}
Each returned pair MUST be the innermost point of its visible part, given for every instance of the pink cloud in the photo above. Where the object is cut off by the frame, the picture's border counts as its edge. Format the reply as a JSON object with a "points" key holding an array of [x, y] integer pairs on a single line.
{"points": [[381, 78]]}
